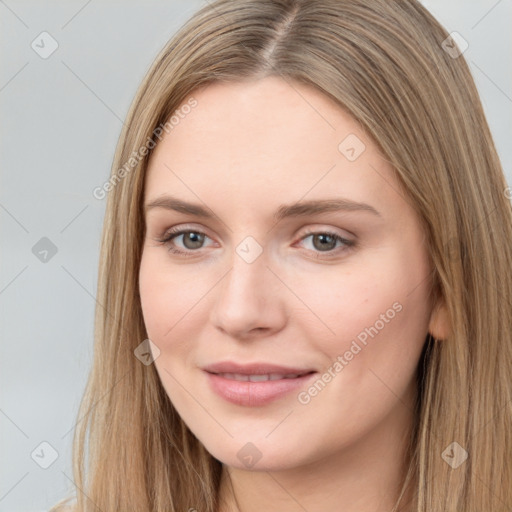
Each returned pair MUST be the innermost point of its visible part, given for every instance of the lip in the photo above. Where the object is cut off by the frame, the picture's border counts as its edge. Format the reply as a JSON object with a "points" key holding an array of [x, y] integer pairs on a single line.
{"points": [[256, 368], [255, 394]]}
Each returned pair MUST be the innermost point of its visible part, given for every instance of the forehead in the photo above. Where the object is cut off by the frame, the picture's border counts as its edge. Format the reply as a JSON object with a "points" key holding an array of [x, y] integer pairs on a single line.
{"points": [[256, 142]]}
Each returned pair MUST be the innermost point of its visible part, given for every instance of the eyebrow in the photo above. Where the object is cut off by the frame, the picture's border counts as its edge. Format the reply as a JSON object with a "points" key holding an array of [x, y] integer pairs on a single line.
{"points": [[298, 209]]}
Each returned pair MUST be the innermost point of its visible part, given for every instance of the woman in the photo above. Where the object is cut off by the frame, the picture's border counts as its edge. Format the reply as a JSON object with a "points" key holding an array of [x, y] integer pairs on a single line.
{"points": [[244, 363]]}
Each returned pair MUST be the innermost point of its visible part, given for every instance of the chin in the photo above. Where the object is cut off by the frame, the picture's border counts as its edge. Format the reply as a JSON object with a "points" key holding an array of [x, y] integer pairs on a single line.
{"points": [[258, 455]]}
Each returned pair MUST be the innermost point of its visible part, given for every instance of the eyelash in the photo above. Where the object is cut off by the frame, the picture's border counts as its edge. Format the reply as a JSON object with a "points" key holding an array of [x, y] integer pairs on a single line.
{"points": [[175, 232]]}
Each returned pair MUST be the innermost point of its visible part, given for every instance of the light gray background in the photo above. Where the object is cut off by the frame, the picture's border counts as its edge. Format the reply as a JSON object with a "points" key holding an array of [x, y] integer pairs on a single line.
{"points": [[60, 121]]}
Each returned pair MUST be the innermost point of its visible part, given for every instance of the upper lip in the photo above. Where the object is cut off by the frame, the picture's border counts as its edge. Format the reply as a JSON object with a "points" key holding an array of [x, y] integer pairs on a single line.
{"points": [[257, 368]]}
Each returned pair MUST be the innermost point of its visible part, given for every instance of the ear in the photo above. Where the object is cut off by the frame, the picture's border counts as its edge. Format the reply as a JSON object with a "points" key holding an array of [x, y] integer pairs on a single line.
{"points": [[439, 326]]}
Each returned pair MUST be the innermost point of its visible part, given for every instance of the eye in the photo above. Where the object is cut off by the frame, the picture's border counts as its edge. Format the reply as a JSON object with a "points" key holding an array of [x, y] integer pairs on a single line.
{"points": [[322, 242], [326, 241], [192, 239]]}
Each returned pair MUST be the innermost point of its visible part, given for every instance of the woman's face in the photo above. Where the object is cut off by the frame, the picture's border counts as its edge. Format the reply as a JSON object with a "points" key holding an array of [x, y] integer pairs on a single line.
{"points": [[290, 323]]}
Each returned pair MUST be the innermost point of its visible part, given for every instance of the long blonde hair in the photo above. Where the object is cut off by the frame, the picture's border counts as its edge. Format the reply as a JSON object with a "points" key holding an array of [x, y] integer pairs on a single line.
{"points": [[391, 66]]}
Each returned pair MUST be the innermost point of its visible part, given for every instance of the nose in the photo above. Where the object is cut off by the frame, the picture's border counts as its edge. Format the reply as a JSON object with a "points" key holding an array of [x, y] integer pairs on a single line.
{"points": [[249, 300]]}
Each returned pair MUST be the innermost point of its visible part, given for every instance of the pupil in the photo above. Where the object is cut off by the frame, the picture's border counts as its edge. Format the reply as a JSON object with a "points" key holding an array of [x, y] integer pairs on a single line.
{"points": [[323, 246], [196, 239]]}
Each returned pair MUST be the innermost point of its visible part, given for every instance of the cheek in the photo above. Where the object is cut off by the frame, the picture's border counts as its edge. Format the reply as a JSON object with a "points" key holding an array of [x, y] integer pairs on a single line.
{"points": [[375, 314], [167, 295], [348, 303], [157, 300], [176, 302], [169, 300], [163, 302]]}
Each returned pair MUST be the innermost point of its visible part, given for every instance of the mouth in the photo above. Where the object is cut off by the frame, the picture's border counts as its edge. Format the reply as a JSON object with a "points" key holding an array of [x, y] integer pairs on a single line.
{"points": [[256, 369], [259, 378], [255, 384]]}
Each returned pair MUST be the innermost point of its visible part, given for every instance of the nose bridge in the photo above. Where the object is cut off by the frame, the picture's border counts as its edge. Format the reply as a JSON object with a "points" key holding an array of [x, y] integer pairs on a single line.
{"points": [[246, 298], [248, 275]]}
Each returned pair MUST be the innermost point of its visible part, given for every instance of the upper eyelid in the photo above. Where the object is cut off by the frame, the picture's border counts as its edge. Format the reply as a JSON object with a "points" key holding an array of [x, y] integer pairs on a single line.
{"points": [[310, 230], [176, 231]]}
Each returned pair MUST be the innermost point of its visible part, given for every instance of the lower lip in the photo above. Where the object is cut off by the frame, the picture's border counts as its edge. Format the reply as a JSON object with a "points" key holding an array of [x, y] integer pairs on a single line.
{"points": [[253, 394]]}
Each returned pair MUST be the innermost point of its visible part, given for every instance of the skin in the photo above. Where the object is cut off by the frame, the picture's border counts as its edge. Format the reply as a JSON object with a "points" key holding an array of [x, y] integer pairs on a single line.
{"points": [[243, 151]]}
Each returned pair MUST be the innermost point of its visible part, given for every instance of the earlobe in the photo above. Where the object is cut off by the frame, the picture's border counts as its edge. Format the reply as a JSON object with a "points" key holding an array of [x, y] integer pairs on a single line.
{"points": [[439, 326]]}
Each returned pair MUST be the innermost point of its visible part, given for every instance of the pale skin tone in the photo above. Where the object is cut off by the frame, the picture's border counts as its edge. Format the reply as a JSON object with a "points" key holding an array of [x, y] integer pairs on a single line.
{"points": [[241, 153]]}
